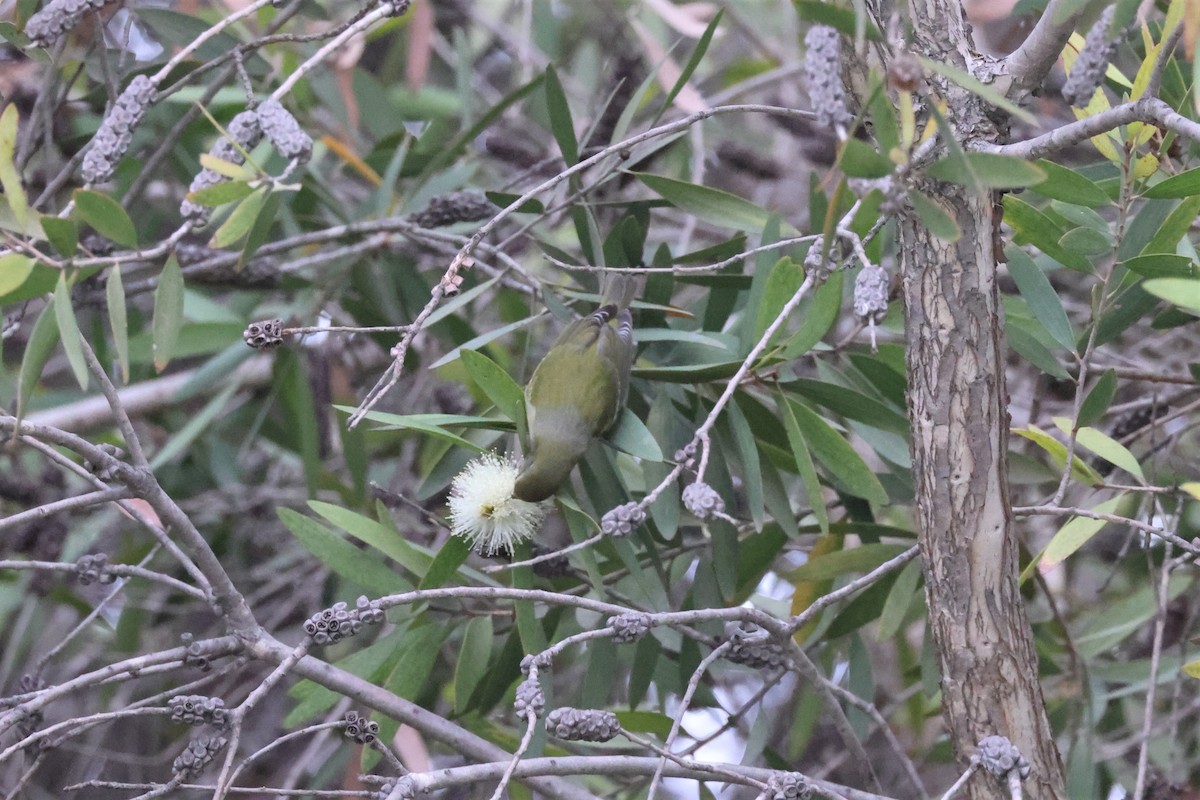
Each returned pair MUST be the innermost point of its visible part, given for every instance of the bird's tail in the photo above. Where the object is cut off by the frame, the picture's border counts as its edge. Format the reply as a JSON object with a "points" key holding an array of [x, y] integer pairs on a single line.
{"points": [[619, 289]]}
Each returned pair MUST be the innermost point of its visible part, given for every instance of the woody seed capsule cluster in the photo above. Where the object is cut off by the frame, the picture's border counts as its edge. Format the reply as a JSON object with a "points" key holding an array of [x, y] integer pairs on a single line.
{"points": [[871, 289], [56, 18], [822, 69], [791, 786], [529, 698], [582, 724], [197, 709], [108, 472], [622, 520], [998, 755], [447, 209], [340, 622], [702, 501], [359, 729], [116, 132], [1092, 61], [753, 646], [284, 132], [629, 627], [264, 335], [94, 568], [244, 130], [197, 755]]}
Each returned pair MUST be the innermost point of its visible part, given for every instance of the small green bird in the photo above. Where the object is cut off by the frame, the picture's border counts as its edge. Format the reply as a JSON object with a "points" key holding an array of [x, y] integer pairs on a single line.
{"points": [[578, 390]]}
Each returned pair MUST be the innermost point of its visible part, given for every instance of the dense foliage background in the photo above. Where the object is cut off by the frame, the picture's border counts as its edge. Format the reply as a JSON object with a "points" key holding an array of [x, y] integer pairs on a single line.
{"points": [[411, 204]]}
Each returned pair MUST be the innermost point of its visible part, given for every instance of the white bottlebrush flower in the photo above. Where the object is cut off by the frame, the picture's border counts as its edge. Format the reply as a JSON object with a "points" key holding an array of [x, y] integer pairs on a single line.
{"points": [[483, 509]]}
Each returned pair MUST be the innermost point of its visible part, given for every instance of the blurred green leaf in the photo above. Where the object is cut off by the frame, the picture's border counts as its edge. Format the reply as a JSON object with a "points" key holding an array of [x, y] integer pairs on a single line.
{"points": [[168, 312], [1098, 399], [988, 169], [106, 216], [68, 330], [473, 657], [693, 61], [860, 160], [1185, 184], [357, 566], [498, 385], [1040, 295], [1183, 292], [630, 435], [221, 193], [41, 344], [714, 206], [1034, 227], [1104, 446], [14, 270], [1075, 534], [1162, 265], [561, 124], [10, 178], [62, 233], [837, 456], [1058, 453], [863, 558], [1069, 186], [935, 217], [240, 220]]}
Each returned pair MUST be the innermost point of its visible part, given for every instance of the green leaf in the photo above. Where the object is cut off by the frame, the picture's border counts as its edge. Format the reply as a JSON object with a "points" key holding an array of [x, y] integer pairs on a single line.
{"points": [[498, 385], [561, 124], [1034, 227], [197, 423], [472, 661], [1162, 265], [693, 60], [419, 652], [106, 216], [804, 463], [1040, 295], [1086, 241], [63, 234], [646, 722], [1185, 184], [1028, 346], [423, 424], [506, 199], [240, 220], [835, 16], [1057, 451], [10, 179], [838, 457], [37, 352], [221, 193], [353, 564], [711, 205], [988, 169], [1098, 399], [839, 562], [14, 271], [1069, 186], [168, 312], [899, 600], [977, 88], [1182, 292], [446, 563], [851, 404], [935, 217], [630, 435], [68, 329], [860, 160], [819, 317], [227, 169], [261, 229], [1174, 227], [376, 535], [782, 282], [1075, 534], [1104, 446]]}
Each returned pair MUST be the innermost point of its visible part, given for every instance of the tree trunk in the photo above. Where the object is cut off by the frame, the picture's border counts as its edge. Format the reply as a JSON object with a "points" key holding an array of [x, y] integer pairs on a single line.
{"points": [[957, 408]]}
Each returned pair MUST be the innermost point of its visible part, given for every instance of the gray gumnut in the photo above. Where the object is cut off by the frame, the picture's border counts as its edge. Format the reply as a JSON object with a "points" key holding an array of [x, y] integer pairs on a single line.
{"points": [[116, 131], [447, 209], [582, 724], [529, 698], [284, 132], [1092, 61], [197, 709], [197, 754], [822, 69], [243, 129], [998, 755], [871, 289], [622, 520], [791, 786], [702, 501], [56, 18], [629, 627], [753, 646]]}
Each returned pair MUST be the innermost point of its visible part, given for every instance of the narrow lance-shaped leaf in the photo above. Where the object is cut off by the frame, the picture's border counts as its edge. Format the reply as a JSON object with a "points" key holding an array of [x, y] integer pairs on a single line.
{"points": [[1040, 295], [114, 293], [106, 216], [10, 179], [561, 124], [37, 351], [168, 312], [68, 329]]}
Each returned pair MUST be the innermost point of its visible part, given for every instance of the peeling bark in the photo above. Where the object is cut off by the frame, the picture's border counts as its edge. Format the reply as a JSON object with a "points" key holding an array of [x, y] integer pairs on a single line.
{"points": [[957, 408]]}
